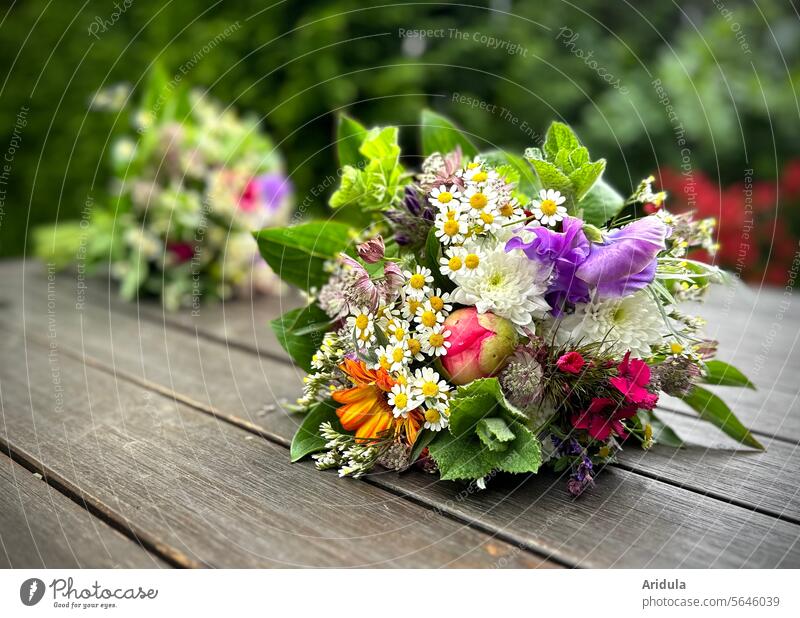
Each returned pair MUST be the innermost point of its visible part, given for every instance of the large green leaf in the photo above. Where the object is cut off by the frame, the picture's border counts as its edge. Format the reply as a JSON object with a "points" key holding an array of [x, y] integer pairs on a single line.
{"points": [[601, 203], [479, 399], [298, 253], [306, 439], [723, 374], [300, 333], [350, 134], [441, 135], [712, 409]]}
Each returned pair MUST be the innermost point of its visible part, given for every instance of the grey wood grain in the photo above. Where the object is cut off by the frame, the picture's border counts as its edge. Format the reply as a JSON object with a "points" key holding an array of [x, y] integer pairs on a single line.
{"points": [[208, 493], [42, 528], [235, 384]]}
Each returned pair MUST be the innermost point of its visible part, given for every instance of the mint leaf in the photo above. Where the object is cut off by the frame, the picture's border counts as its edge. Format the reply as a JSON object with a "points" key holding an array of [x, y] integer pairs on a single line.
{"points": [[524, 454], [476, 400], [723, 374], [559, 137], [461, 458], [350, 134], [585, 177], [712, 409], [300, 333], [551, 177], [306, 439], [494, 433], [601, 203], [442, 136], [297, 254]]}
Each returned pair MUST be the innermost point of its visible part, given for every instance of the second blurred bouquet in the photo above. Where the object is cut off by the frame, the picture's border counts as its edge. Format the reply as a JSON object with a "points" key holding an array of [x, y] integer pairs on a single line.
{"points": [[188, 187]]}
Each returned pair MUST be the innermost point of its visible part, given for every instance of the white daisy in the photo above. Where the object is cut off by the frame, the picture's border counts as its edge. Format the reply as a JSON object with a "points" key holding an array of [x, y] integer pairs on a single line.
{"points": [[450, 227], [434, 341], [507, 284], [398, 330], [414, 346], [631, 323], [418, 282], [453, 261], [409, 308], [547, 209], [428, 385], [442, 196], [427, 316], [402, 400], [478, 198], [440, 301], [362, 323], [437, 417]]}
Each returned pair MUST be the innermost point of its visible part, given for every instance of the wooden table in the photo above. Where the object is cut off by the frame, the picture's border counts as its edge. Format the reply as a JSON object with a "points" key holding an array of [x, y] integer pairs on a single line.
{"points": [[135, 438]]}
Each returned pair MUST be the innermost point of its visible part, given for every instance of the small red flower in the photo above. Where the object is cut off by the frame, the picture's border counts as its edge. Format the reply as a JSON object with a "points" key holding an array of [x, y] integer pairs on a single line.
{"points": [[632, 379], [603, 416], [571, 362]]}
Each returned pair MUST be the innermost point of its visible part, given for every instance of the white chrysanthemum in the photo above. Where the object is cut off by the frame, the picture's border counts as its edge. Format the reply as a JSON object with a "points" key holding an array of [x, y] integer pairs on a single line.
{"points": [[631, 323], [548, 209], [507, 284]]}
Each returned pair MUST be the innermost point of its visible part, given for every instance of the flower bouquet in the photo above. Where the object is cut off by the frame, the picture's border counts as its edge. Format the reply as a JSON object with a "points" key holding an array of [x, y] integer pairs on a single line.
{"points": [[492, 312], [189, 186]]}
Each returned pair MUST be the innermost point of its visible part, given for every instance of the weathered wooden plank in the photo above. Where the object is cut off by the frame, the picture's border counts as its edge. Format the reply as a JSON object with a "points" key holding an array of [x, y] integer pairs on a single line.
{"points": [[207, 491], [233, 383], [42, 528]]}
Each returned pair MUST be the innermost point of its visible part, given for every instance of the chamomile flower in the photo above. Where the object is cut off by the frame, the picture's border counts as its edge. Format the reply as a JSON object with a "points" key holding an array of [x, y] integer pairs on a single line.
{"points": [[453, 261], [418, 282], [383, 358], [471, 169], [444, 197], [434, 341], [385, 316], [548, 209], [409, 308], [402, 400], [362, 323], [511, 210], [450, 227], [398, 356], [488, 220], [440, 301], [415, 346], [427, 316], [478, 198], [437, 417], [398, 330], [428, 385]]}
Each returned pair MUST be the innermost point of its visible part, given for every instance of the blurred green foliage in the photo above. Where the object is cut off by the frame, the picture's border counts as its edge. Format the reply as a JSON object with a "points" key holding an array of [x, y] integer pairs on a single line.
{"points": [[727, 70]]}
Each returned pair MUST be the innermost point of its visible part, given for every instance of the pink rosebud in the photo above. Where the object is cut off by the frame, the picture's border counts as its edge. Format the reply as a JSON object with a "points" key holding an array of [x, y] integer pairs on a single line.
{"points": [[571, 362], [371, 251], [480, 343]]}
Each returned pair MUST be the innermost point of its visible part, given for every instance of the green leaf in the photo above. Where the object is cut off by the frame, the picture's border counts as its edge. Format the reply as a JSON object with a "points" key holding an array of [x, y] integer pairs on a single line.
{"points": [[297, 254], [424, 438], [306, 439], [494, 433], [584, 178], [551, 177], [432, 254], [478, 399], [712, 409], [350, 134], [465, 457], [559, 136], [461, 458], [442, 136], [601, 203], [300, 333], [723, 374], [662, 433]]}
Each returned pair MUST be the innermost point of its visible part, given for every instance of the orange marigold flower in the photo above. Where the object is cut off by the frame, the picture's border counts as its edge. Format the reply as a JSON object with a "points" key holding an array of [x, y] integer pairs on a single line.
{"points": [[365, 409]]}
